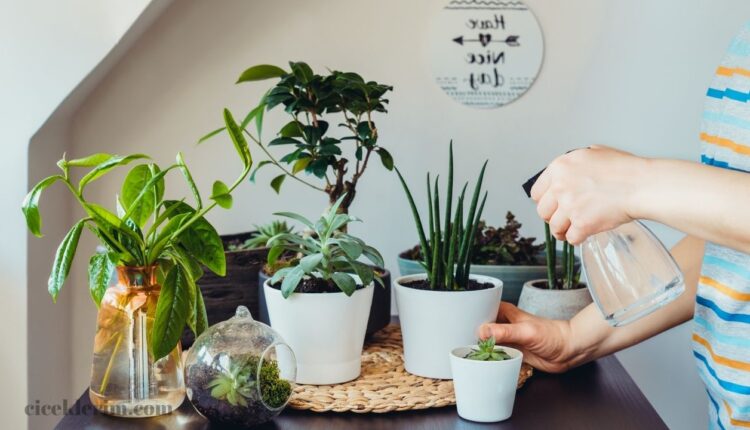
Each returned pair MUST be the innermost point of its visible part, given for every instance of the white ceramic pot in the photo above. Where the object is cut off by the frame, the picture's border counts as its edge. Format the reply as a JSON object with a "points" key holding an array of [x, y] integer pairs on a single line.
{"points": [[552, 304], [326, 331], [434, 322], [485, 390]]}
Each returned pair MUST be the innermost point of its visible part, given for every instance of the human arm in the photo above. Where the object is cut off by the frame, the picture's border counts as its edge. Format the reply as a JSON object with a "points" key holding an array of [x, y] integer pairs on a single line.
{"points": [[556, 345], [597, 189]]}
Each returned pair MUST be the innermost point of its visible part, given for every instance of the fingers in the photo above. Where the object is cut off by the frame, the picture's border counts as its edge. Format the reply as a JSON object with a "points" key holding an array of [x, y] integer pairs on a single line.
{"points": [[576, 234], [518, 333], [508, 313], [546, 206], [559, 224], [541, 185]]}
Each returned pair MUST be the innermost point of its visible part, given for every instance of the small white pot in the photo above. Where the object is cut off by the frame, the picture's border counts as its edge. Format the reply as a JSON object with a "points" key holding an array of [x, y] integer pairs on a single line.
{"points": [[434, 322], [552, 304], [326, 331], [485, 390]]}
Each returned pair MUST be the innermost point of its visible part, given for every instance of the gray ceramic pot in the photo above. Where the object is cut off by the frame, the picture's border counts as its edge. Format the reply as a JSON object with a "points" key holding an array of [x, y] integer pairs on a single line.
{"points": [[536, 299], [513, 277]]}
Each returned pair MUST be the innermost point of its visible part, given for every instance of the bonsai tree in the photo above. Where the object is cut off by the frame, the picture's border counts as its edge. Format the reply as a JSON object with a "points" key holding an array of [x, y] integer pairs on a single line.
{"points": [[570, 276], [316, 104], [326, 258], [146, 231], [502, 246], [448, 251], [485, 351]]}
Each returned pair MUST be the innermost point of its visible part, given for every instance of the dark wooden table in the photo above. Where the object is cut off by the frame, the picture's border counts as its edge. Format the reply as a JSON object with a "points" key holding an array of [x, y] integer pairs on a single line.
{"points": [[599, 395]]}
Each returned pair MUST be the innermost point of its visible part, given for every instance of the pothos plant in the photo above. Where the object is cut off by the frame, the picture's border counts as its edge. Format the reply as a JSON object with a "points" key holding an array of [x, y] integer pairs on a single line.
{"points": [[316, 104], [145, 231], [327, 253]]}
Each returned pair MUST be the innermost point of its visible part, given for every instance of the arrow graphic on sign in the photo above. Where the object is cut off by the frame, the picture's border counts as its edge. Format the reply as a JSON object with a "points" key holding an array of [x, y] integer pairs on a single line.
{"points": [[486, 39]]}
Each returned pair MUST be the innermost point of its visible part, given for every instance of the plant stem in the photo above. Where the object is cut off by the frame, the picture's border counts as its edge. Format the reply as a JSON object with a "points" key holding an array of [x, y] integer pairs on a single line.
{"points": [[105, 379], [550, 250], [277, 164]]}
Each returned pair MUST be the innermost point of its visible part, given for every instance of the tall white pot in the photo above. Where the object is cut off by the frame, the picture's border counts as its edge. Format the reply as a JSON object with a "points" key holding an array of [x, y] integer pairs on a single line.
{"points": [[326, 331], [435, 322]]}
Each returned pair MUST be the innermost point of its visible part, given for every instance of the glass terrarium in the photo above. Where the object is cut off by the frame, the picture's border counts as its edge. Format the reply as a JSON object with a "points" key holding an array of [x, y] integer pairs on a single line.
{"points": [[240, 372]]}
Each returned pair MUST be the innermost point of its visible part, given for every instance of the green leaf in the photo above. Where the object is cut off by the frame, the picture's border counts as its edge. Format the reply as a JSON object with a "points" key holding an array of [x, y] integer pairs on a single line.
{"points": [[308, 263], [302, 72], [300, 165], [189, 179], [201, 320], [385, 158], [261, 164], [284, 141], [101, 268], [279, 275], [291, 129], [30, 205], [345, 282], [291, 280], [90, 161], [274, 253], [137, 181], [261, 72], [172, 311], [101, 169], [240, 143], [210, 134], [221, 196], [277, 181], [202, 241], [63, 259], [351, 248], [306, 222]]}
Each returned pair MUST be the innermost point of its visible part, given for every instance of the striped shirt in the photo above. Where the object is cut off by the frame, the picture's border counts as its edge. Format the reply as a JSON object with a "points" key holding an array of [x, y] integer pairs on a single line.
{"points": [[721, 338]]}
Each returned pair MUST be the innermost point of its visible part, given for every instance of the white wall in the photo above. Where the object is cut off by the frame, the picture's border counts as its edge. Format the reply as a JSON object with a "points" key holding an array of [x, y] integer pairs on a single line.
{"points": [[629, 74], [46, 48]]}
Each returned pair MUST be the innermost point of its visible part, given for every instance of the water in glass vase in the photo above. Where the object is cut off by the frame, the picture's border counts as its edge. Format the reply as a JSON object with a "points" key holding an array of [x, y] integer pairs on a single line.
{"points": [[125, 379]]}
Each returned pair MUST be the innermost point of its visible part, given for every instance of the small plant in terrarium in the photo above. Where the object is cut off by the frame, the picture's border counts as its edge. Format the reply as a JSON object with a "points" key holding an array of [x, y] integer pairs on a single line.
{"points": [[264, 233], [237, 384], [486, 351]]}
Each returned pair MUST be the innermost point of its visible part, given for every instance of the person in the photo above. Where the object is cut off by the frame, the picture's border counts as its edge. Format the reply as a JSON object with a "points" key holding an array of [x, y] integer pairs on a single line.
{"points": [[596, 189]]}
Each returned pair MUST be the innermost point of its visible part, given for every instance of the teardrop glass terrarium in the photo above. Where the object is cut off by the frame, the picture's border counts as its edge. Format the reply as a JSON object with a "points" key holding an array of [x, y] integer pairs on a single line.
{"points": [[125, 379], [239, 372]]}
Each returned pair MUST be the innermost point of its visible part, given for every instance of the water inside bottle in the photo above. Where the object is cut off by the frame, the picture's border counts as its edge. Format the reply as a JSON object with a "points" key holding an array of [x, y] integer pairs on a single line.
{"points": [[629, 273]]}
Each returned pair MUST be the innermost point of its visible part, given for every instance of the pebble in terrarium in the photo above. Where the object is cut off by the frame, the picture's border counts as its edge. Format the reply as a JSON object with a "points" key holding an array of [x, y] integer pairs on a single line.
{"points": [[239, 372]]}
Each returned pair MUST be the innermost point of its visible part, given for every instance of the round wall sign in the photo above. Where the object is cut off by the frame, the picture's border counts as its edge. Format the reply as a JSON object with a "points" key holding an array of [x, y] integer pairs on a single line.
{"points": [[486, 53]]}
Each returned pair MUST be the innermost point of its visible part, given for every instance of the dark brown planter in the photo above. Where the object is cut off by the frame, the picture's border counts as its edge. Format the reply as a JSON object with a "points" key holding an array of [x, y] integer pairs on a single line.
{"points": [[222, 295], [380, 311]]}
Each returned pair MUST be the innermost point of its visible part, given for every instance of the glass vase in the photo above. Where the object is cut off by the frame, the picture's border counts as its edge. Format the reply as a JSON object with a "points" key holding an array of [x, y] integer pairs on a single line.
{"points": [[126, 381]]}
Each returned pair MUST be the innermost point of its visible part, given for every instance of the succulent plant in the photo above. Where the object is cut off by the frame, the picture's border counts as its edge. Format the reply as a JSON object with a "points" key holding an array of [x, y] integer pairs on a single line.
{"points": [[486, 351], [263, 235], [237, 384], [328, 253]]}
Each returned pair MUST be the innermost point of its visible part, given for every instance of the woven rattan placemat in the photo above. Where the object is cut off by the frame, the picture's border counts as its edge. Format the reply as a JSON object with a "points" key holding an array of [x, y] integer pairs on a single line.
{"points": [[384, 385]]}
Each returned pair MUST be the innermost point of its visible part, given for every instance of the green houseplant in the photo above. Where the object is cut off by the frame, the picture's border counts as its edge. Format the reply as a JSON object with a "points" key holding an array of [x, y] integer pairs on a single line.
{"points": [[443, 306], [157, 247], [500, 252], [317, 105], [320, 304], [330, 136], [561, 295]]}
